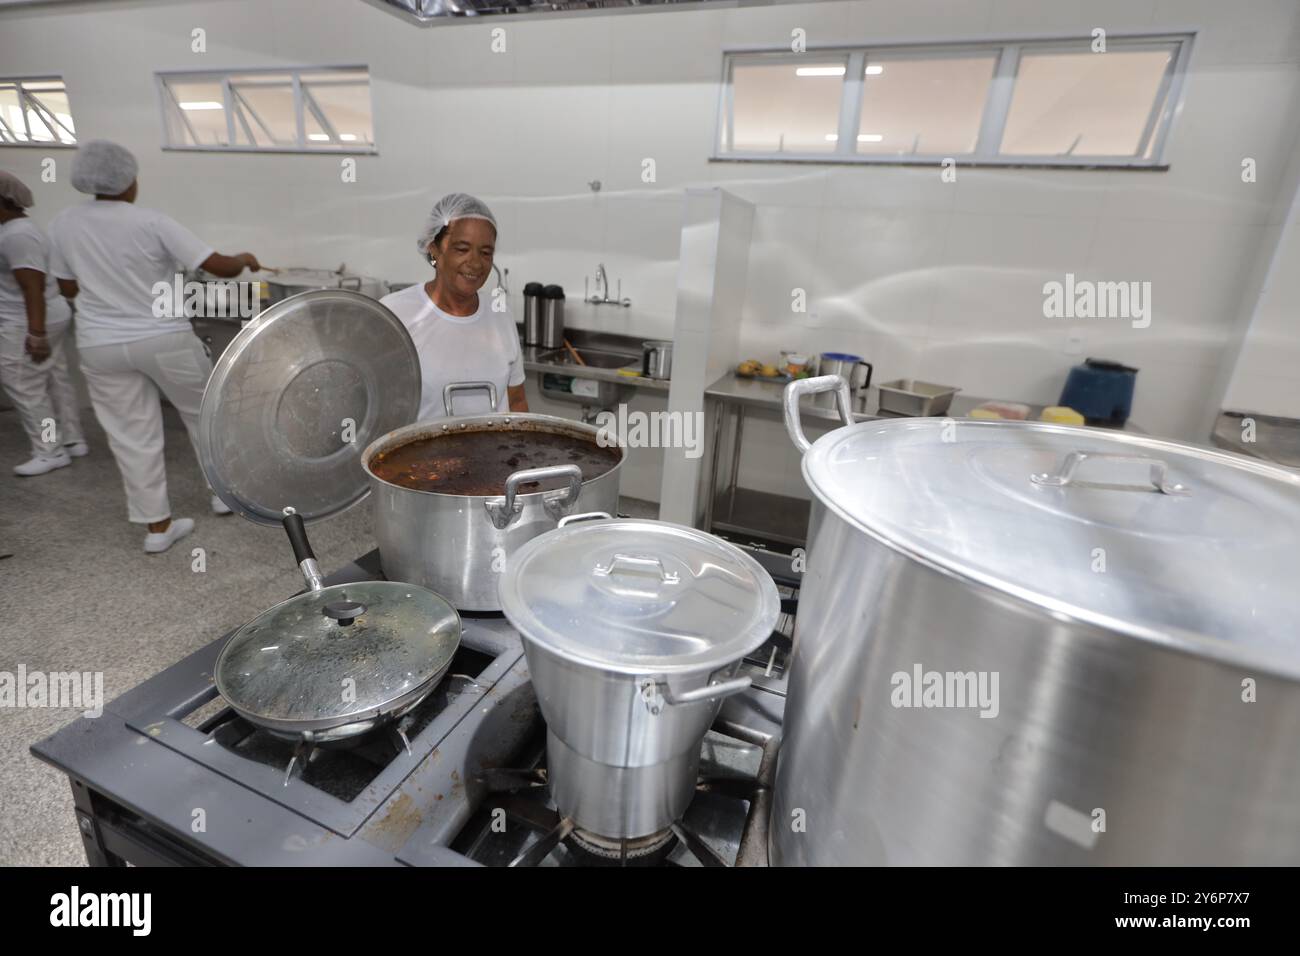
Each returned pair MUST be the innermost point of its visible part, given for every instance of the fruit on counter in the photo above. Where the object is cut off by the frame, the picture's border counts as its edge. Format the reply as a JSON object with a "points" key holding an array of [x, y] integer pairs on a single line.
{"points": [[1061, 415], [770, 371], [749, 367]]}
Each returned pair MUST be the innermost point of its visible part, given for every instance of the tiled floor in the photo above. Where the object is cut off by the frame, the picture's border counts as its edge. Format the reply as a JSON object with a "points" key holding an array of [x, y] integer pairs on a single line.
{"points": [[79, 593]]}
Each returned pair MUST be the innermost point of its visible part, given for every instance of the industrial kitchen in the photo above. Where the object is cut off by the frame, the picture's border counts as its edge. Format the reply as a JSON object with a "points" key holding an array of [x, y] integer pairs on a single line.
{"points": [[705, 434]]}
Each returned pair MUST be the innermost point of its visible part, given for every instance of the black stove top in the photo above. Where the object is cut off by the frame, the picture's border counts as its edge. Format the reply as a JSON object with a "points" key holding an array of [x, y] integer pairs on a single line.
{"points": [[170, 774]]}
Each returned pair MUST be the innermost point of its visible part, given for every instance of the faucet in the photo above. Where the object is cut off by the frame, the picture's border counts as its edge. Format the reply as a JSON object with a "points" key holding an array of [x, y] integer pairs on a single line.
{"points": [[602, 286]]}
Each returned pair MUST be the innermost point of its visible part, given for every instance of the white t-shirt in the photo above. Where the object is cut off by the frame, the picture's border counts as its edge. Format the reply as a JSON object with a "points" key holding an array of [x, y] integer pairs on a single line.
{"points": [[23, 247], [483, 347], [117, 252]]}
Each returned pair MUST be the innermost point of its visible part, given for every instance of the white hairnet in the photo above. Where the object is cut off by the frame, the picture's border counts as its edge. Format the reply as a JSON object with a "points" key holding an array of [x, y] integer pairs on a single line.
{"points": [[449, 207], [102, 168], [12, 189]]}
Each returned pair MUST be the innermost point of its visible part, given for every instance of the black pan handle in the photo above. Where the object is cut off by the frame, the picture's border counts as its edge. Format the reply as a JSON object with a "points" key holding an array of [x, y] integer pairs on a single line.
{"points": [[302, 552]]}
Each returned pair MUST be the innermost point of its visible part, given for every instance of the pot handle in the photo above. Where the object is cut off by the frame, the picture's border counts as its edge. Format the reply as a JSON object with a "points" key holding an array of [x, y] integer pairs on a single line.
{"points": [[813, 386], [468, 387], [585, 516], [1065, 472], [649, 692], [302, 552], [503, 511]]}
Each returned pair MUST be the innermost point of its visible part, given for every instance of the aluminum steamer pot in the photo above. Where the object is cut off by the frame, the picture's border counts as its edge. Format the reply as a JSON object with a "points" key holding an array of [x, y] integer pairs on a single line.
{"points": [[1022, 643], [455, 544], [634, 631]]}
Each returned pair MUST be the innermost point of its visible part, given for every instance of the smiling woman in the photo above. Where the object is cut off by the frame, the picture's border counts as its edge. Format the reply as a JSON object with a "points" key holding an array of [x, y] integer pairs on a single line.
{"points": [[461, 335]]}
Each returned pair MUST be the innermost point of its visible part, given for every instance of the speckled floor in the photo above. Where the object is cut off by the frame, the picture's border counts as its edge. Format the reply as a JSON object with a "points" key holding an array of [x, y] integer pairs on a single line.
{"points": [[79, 593]]}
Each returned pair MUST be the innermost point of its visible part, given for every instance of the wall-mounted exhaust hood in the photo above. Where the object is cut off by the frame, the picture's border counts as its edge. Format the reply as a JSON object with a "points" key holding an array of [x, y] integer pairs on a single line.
{"points": [[445, 11]]}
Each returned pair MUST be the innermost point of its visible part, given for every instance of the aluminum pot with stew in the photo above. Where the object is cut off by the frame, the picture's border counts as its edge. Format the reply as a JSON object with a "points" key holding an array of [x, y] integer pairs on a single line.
{"points": [[455, 497]]}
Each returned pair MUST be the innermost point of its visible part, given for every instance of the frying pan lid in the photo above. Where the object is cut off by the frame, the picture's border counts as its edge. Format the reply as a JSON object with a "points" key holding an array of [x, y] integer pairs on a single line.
{"points": [[342, 654], [295, 398]]}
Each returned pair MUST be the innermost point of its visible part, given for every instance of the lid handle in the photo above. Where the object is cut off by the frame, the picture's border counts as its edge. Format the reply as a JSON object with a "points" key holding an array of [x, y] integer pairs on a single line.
{"points": [[503, 511], [585, 516], [455, 387], [1065, 473], [636, 562], [813, 386], [345, 612]]}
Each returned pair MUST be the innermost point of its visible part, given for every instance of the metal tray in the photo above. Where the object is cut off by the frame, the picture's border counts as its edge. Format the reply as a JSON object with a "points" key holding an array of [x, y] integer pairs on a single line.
{"points": [[910, 396]]}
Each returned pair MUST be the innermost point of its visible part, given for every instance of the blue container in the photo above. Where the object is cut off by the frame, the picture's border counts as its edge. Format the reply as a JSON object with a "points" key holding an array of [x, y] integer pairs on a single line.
{"points": [[1100, 391]]}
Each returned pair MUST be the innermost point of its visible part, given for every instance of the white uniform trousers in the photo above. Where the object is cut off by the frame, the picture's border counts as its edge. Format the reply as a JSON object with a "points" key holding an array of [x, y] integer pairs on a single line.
{"points": [[43, 394], [124, 382]]}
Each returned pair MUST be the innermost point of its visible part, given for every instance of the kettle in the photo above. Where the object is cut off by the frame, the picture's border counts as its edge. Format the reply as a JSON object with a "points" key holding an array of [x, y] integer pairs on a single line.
{"points": [[1101, 391]]}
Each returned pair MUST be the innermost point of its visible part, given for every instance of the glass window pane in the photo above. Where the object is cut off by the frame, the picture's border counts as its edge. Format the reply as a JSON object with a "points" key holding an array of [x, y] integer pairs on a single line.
{"points": [[12, 115], [56, 101], [930, 105], [267, 107], [202, 114], [1084, 103], [791, 106], [347, 107]]}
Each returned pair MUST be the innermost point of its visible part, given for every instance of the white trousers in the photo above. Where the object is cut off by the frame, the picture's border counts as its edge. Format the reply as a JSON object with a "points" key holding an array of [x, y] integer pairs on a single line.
{"points": [[43, 394], [124, 382]]}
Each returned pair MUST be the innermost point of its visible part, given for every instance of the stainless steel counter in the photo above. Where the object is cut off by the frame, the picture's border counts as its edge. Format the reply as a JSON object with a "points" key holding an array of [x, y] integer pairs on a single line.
{"points": [[1275, 439], [558, 361], [781, 519]]}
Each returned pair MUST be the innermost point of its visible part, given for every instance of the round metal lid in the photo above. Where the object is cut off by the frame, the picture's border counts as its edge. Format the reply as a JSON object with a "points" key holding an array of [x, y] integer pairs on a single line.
{"points": [[1152, 537], [297, 396], [639, 597], [307, 664]]}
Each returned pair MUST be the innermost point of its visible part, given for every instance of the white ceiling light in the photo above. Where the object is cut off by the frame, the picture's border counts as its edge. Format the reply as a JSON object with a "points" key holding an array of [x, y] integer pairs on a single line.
{"points": [[348, 137], [819, 71], [875, 70], [318, 137], [870, 138], [202, 105]]}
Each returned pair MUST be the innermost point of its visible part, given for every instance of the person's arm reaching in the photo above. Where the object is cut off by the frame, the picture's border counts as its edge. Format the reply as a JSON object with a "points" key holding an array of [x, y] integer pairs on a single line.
{"points": [[227, 267]]}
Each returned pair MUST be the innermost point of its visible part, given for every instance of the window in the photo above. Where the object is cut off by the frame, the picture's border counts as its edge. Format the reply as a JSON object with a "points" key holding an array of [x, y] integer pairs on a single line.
{"points": [[1054, 103], [35, 112], [325, 109]]}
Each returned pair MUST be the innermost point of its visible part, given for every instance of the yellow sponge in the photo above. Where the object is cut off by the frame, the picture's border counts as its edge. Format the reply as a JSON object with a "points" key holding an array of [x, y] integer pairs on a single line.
{"points": [[1061, 415]]}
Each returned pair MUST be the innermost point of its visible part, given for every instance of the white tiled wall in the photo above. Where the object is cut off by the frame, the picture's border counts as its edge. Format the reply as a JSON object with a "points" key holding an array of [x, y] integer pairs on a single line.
{"points": [[925, 278]]}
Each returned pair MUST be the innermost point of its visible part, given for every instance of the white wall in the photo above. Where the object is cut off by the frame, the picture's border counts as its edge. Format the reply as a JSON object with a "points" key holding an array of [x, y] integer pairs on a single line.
{"points": [[925, 278]]}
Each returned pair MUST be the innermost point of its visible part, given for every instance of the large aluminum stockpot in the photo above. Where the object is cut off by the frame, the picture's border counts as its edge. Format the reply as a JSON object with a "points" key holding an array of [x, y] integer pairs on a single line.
{"points": [[458, 545], [634, 631], [1022, 643]]}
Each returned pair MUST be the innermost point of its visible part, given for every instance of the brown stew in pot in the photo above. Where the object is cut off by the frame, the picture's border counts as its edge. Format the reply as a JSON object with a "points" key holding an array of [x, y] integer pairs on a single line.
{"points": [[478, 463]]}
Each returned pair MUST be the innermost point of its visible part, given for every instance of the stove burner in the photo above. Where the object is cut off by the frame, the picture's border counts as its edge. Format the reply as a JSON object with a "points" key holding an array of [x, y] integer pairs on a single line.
{"points": [[648, 849]]}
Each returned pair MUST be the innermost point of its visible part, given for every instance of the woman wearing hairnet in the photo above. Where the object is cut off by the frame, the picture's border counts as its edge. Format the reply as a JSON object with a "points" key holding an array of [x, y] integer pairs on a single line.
{"points": [[109, 254], [33, 323], [461, 336]]}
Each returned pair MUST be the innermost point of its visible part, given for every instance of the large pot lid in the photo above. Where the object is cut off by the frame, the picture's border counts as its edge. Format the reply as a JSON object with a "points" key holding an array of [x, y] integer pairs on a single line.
{"points": [[639, 597], [1165, 540], [306, 665], [275, 420]]}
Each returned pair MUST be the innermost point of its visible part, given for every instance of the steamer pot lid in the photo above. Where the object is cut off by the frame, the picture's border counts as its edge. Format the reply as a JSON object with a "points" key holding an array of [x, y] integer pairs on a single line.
{"points": [[274, 427], [306, 662], [1212, 557], [639, 597]]}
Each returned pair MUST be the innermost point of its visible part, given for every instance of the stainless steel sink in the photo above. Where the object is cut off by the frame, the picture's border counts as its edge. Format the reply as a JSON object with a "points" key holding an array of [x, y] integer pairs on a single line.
{"points": [[595, 358]]}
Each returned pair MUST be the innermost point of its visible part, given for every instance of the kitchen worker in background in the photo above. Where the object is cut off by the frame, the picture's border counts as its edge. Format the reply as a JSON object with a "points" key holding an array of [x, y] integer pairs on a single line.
{"points": [[460, 335], [33, 322], [107, 255]]}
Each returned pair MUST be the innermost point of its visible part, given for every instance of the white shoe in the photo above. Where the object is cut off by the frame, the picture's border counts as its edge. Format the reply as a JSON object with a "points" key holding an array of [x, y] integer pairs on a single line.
{"points": [[219, 506], [77, 449], [40, 464], [156, 542]]}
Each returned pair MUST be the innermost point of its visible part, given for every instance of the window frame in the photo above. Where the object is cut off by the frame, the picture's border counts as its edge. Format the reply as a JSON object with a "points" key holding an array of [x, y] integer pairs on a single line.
{"points": [[23, 96], [1165, 107], [303, 101]]}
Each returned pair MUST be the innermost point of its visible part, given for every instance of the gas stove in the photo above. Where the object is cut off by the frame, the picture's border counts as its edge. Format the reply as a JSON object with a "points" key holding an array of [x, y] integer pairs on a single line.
{"points": [[169, 774]]}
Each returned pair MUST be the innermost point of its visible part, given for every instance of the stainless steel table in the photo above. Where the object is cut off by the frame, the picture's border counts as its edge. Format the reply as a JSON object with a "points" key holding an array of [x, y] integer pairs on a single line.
{"points": [[773, 518]]}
